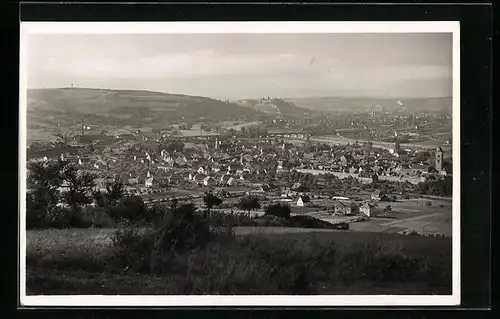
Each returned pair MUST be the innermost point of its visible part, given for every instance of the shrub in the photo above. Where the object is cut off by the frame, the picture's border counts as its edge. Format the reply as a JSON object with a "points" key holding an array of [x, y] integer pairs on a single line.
{"points": [[78, 219], [182, 229], [153, 248], [279, 210], [99, 217], [59, 218], [132, 247], [35, 215], [130, 208], [219, 219], [249, 203]]}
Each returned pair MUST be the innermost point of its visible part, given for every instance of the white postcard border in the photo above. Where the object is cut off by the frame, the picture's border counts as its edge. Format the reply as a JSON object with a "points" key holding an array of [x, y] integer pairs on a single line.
{"points": [[241, 27]]}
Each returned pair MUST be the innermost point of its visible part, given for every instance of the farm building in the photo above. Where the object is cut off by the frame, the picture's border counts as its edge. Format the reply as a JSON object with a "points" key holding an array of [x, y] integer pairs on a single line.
{"points": [[341, 208], [133, 181], [368, 209], [303, 201], [378, 195]]}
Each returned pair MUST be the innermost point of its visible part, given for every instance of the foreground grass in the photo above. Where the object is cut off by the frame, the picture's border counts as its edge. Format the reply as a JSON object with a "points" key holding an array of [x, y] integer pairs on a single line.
{"points": [[336, 262]]}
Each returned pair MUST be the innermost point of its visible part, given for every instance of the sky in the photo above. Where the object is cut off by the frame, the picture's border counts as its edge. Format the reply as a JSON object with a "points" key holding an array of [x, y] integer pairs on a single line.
{"points": [[247, 65]]}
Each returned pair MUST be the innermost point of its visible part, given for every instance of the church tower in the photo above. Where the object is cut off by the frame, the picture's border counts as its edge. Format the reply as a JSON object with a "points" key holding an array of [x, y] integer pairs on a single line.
{"points": [[439, 159], [397, 146]]}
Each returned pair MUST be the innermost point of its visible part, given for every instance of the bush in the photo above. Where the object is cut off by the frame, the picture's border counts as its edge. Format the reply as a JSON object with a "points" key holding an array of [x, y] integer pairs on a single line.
{"points": [[220, 219], [152, 248], [35, 216], [55, 217], [132, 247], [58, 218], [279, 210], [99, 217], [130, 208], [182, 229]]}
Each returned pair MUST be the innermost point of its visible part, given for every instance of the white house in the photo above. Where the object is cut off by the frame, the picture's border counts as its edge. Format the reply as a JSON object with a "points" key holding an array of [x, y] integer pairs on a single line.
{"points": [[367, 209], [207, 181], [303, 201], [149, 182]]}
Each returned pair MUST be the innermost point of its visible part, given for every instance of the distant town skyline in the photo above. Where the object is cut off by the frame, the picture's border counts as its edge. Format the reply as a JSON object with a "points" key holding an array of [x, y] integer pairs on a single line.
{"points": [[238, 66]]}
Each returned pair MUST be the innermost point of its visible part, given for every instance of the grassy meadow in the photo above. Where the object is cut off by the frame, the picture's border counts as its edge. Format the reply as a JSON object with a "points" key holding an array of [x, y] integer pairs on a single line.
{"points": [[90, 261]]}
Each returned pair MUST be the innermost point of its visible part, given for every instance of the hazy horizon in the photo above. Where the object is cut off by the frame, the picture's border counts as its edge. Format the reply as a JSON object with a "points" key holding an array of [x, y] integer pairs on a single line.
{"points": [[243, 98], [238, 66]]}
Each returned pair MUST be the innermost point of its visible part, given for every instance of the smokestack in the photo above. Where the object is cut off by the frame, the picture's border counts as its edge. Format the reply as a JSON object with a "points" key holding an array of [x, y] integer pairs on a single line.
{"points": [[82, 127]]}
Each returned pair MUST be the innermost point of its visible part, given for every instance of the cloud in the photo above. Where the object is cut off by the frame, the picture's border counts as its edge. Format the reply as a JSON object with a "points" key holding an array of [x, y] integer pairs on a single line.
{"points": [[229, 65], [197, 63]]}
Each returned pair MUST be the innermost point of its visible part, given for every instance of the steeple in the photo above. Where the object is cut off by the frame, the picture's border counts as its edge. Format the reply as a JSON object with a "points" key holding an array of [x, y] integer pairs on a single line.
{"points": [[439, 159]]}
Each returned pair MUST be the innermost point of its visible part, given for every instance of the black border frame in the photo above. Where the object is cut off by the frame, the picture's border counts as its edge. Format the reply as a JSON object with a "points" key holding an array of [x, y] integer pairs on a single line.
{"points": [[476, 102]]}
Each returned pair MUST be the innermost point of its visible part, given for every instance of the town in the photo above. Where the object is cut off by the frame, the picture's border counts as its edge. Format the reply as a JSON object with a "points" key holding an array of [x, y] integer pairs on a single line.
{"points": [[324, 170]]}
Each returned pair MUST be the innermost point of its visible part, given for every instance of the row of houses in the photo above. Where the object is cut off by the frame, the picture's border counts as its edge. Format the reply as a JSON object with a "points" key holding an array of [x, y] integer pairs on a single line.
{"points": [[345, 208]]}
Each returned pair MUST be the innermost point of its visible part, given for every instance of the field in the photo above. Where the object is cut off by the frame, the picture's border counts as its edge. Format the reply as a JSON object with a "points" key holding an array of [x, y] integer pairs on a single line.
{"points": [[264, 260], [413, 215]]}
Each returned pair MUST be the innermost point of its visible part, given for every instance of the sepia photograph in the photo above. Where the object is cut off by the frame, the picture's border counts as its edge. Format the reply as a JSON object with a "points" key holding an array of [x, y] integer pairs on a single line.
{"points": [[284, 163]]}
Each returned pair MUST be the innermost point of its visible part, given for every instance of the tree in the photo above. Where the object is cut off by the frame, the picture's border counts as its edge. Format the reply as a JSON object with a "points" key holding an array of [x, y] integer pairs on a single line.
{"points": [[177, 146], [79, 186], [249, 203], [279, 210], [181, 229], [44, 181], [129, 208], [99, 198], [211, 200], [115, 190], [436, 186]]}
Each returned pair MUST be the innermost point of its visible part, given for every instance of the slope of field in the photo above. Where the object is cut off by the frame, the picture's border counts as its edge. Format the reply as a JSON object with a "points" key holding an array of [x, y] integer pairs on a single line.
{"points": [[65, 105], [368, 104], [330, 262]]}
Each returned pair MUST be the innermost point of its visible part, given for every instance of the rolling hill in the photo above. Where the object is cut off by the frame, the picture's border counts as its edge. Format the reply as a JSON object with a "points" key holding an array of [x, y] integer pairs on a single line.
{"points": [[368, 104], [124, 107]]}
